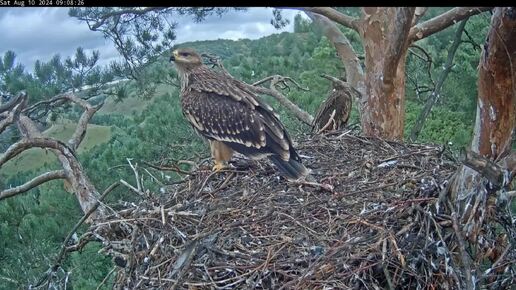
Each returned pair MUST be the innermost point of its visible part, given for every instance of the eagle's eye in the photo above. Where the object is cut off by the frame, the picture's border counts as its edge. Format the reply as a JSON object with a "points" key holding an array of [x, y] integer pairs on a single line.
{"points": [[184, 54]]}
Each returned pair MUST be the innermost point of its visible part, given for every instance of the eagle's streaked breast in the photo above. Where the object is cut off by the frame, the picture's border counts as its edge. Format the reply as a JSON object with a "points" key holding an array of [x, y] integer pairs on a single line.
{"points": [[224, 109]]}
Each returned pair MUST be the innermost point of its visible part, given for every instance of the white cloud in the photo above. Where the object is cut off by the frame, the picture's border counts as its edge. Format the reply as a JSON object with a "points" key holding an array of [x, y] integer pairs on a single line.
{"points": [[40, 33]]}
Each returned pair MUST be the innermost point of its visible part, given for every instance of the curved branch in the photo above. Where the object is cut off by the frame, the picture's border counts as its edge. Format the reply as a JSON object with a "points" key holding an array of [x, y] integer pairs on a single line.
{"points": [[19, 99], [442, 21], [354, 71], [333, 14], [284, 101], [80, 185], [47, 176], [11, 110], [80, 130]]}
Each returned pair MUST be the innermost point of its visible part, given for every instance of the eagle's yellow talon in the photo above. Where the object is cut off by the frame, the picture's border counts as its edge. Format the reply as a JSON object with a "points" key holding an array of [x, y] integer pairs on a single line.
{"points": [[218, 167]]}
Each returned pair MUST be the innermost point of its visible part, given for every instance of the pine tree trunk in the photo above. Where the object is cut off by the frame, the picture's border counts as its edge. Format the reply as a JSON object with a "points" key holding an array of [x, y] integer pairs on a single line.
{"points": [[385, 36], [496, 106]]}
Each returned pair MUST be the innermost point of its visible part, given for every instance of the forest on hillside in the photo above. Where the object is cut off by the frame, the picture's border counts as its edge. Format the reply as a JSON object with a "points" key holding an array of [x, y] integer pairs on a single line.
{"points": [[134, 116]]}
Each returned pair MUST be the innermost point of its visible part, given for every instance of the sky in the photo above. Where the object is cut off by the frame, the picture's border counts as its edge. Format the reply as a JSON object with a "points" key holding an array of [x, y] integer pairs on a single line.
{"points": [[40, 33]]}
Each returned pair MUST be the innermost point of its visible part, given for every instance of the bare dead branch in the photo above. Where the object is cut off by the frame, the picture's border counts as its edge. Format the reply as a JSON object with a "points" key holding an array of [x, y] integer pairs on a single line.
{"points": [[80, 130], [331, 120], [174, 168], [283, 100], [19, 99], [281, 80], [354, 70], [134, 189], [47, 277], [79, 182], [25, 144], [44, 106], [9, 112], [47, 176], [466, 263], [442, 21], [334, 79], [336, 16]]}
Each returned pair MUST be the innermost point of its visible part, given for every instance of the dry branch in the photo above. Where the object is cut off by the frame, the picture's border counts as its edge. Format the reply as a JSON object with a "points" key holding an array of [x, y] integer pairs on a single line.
{"points": [[80, 130], [76, 179], [47, 176], [276, 81], [48, 277], [10, 111]]}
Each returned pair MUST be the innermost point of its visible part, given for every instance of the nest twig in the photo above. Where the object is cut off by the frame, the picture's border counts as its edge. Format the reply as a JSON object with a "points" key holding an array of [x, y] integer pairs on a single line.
{"points": [[374, 227]]}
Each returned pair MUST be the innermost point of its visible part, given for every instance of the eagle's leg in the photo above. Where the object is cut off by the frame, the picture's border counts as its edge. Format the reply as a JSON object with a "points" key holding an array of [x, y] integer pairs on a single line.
{"points": [[221, 153]]}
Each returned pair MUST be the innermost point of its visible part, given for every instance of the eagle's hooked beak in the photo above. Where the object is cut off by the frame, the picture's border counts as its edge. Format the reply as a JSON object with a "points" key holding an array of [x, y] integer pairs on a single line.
{"points": [[174, 55]]}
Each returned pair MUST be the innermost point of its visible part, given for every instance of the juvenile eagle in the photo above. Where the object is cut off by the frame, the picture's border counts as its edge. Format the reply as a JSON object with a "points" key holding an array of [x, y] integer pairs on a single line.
{"points": [[333, 113], [232, 117]]}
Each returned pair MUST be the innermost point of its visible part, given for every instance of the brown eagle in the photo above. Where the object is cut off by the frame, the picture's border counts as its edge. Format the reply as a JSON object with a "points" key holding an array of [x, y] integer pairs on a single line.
{"points": [[232, 117], [333, 113]]}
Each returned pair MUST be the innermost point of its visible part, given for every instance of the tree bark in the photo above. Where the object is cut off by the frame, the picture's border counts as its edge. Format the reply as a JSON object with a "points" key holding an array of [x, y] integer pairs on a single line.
{"points": [[496, 106], [385, 37], [432, 98], [497, 87]]}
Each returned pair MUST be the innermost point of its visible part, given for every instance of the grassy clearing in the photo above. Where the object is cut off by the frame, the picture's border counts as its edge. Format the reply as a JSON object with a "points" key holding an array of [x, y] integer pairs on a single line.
{"points": [[36, 157]]}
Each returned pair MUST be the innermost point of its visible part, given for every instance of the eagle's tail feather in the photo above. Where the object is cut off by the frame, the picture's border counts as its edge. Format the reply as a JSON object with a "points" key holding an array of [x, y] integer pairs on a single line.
{"points": [[291, 169]]}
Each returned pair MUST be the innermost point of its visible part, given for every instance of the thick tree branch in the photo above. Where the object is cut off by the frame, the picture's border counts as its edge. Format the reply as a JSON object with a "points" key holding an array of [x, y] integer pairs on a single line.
{"points": [[493, 172], [442, 21], [398, 40], [79, 183], [47, 176], [354, 71], [336, 16]]}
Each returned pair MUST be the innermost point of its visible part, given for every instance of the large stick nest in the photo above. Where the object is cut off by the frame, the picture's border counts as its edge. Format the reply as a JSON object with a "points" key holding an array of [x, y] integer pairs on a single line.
{"points": [[379, 227]]}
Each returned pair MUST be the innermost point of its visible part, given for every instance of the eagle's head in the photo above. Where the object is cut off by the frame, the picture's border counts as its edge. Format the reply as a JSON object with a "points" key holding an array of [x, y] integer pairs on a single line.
{"points": [[185, 58]]}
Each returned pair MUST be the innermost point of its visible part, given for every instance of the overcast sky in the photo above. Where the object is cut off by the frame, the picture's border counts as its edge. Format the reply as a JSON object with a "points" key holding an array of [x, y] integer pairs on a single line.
{"points": [[40, 33]]}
